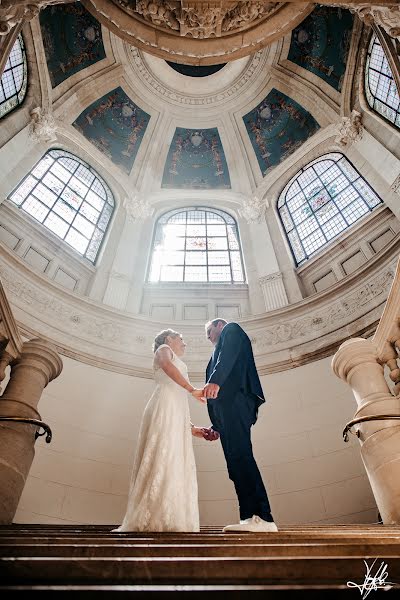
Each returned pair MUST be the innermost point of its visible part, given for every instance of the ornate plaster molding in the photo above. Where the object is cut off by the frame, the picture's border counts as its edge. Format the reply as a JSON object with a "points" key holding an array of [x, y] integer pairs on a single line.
{"points": [[137, 207], [251, 71], [350, 129], [115, 340], [43, 127], [198, 31]]}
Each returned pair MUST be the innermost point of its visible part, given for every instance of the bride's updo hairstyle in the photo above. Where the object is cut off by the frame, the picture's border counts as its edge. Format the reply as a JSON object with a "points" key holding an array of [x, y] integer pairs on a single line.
{"points": [[159, 340]]}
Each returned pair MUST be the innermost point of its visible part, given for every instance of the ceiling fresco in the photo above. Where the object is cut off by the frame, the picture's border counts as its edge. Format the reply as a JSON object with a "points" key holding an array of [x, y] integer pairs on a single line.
{"points": [[72, 40], [277, 127], [116, 126], [196, 160], [321, 44]]}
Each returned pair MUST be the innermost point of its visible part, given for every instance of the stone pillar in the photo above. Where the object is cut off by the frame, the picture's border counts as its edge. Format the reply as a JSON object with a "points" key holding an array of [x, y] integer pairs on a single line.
{"points": [[38, 364], [356, 362], [273, 291]]}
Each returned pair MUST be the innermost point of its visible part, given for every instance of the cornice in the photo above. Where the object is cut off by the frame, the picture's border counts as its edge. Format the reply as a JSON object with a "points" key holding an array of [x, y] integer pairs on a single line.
{"points": [[110, 339]]}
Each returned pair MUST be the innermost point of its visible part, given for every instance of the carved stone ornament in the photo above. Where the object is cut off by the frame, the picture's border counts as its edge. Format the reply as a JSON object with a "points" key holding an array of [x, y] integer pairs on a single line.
{"points": [[12, 12], [137, 207], [253, 209], [388, 17], [43, 127], [199, 19], [350, 129], [192, 29]]}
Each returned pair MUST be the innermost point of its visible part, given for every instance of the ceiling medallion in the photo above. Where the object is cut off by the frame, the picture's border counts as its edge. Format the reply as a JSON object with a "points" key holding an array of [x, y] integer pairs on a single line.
{"points": [[198, 31]]}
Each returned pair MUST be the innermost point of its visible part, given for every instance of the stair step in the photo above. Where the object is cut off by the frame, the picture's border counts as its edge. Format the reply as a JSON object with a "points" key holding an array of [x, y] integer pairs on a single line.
{"points": [[189, 570], [192, 550]]}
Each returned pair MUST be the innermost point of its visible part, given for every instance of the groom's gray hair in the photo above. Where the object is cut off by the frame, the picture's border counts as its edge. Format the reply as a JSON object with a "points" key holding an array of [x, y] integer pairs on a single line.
{"points": [[215, 322]]}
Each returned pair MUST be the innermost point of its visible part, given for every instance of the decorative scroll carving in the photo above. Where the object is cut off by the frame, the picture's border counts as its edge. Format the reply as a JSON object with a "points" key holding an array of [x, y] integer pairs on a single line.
{"points": [[42, 127], [137, 207], [350, 129]]}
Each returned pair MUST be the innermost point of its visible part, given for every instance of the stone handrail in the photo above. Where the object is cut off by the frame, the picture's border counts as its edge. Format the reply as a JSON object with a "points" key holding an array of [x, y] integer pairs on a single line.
{"points": [[39, 424]]}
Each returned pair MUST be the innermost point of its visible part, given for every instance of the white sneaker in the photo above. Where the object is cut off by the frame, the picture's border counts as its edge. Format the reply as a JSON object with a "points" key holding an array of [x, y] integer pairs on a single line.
{"points": [[254, 525]]}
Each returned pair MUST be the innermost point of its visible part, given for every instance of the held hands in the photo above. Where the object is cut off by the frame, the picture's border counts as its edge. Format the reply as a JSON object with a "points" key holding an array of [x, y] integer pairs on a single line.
{"points": [[211, 390], [205, 433], [198, 394]]}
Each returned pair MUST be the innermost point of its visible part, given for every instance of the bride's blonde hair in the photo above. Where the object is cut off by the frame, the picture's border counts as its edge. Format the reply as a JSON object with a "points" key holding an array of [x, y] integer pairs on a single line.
{"points": [[160, 338]]}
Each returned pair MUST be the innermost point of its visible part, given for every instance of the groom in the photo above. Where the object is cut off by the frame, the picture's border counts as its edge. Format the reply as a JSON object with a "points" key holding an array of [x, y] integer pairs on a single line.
{"points": [[234, 393]]}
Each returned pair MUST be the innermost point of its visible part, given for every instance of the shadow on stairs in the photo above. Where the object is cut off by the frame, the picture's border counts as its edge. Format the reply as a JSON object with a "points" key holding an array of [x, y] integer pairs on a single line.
{"points": [[91, 561]]}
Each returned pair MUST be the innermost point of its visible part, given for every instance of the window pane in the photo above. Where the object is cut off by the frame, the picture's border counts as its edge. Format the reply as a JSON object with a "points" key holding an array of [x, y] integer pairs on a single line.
{"points": [[334, 199], [197, 239], [14, 81], [381, 91], [48, 191]]}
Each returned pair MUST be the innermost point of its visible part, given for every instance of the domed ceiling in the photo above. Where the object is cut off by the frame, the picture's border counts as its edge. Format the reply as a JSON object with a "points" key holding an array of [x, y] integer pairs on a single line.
{"points": [[247, 104]]}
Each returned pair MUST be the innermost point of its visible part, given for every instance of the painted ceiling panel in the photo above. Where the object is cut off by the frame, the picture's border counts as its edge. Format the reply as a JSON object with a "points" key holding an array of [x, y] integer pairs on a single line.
{"points": [[321, 44], [277, 127], [196, 160], [72, 40], [116, 126]]}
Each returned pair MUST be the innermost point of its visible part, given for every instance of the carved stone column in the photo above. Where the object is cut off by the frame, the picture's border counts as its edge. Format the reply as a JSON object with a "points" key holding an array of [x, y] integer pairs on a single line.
{"points": [[356, 362], [273, 291], [38, 364]]}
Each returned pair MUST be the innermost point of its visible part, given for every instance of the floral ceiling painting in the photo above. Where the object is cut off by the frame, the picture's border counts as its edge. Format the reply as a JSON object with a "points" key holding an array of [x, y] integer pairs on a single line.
{"points": [[321, 44], [116, 126], [277, 127], [72, 40], [196, 160]]}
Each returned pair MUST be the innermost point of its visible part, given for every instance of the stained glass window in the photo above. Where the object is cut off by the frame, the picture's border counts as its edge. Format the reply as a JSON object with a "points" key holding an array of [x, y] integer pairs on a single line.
{"points": [[380, 88], [68, 197], [324, 199], [14, 80], [196, 245]]}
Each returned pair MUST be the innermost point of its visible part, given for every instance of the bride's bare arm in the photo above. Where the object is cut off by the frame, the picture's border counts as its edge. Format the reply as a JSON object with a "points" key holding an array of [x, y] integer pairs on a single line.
{"points": [[163, 358]]}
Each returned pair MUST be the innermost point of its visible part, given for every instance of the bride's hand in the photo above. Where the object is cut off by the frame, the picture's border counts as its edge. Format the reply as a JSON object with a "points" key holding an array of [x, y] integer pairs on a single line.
{"points": [[198, 394]]}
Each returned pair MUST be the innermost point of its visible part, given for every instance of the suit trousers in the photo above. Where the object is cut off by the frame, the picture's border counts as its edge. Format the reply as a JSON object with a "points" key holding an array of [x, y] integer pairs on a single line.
{"points": [[233, 418]]}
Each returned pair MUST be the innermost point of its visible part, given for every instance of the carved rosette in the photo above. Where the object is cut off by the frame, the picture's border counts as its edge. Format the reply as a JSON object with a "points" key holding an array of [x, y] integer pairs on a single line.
{"points": [[137, 207], [350, 129]]}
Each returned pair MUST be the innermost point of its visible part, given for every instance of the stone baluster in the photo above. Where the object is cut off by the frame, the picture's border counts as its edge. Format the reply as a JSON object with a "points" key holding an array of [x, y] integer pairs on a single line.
{"points": [[357, 363], [38, 364]]}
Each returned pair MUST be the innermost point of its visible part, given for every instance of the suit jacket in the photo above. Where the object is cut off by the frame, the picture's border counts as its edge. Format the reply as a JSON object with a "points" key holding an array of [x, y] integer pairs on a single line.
{"points": [[232, 365]]}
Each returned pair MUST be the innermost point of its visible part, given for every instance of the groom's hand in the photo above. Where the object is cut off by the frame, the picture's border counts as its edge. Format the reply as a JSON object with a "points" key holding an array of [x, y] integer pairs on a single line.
{"points": [[211, 390], [209, 434]]}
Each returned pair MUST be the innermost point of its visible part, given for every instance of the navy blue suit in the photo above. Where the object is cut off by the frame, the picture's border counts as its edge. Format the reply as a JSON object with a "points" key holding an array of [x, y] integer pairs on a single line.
{"points": [[232, 414]]}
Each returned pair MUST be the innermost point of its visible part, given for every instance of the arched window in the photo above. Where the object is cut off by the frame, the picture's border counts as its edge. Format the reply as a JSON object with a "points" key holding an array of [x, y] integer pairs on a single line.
{"points": [[380, 88], [69, 198], [324, 199], [14, 80], [196, 244]]}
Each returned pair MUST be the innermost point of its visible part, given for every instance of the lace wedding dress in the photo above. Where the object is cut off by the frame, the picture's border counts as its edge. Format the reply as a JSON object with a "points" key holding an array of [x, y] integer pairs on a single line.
{"points": [[163, 490]]}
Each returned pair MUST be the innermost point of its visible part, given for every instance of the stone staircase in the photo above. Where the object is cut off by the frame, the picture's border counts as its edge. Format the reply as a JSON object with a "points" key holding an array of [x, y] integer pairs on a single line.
{"points": [[90, 560]]}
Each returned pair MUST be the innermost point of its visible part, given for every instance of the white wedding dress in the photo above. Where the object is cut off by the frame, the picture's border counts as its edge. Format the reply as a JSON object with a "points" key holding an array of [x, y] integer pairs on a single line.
{"points": [[163, 491]]}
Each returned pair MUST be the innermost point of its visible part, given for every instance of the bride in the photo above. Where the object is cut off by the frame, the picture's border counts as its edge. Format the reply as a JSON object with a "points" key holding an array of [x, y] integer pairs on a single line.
{"points": [[163, 489]]}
